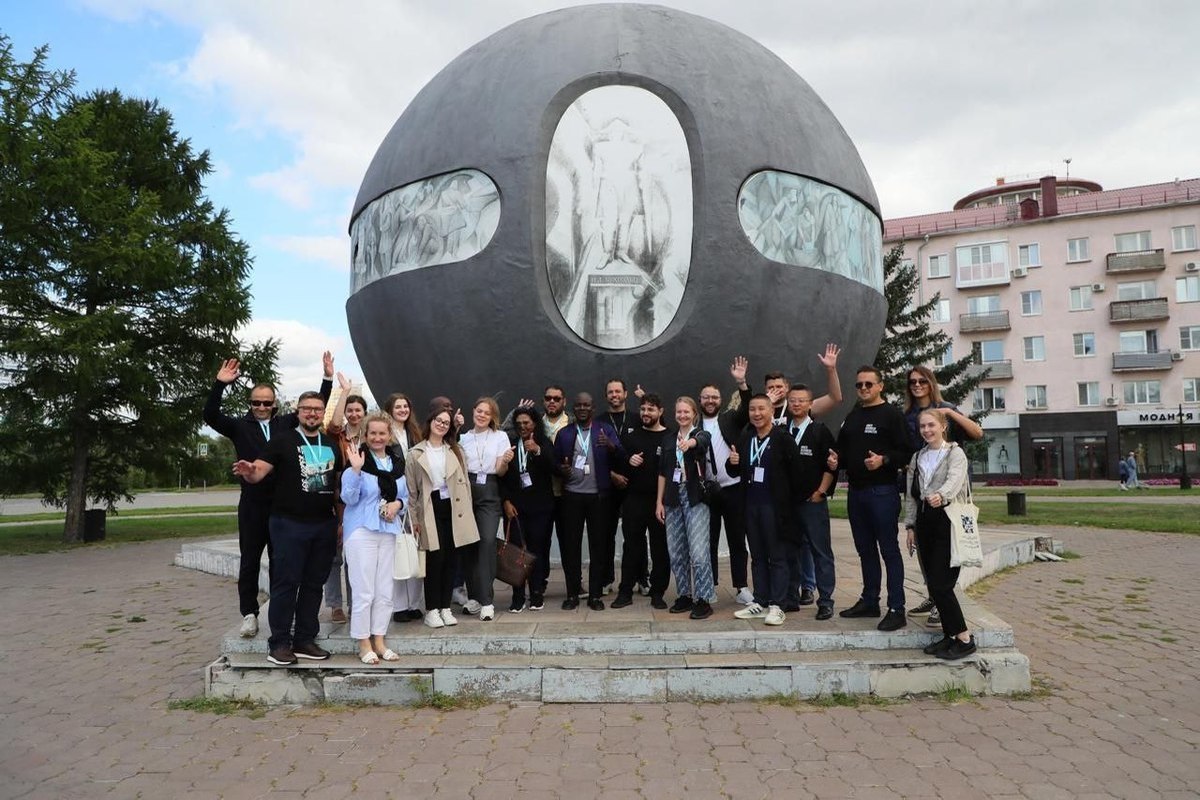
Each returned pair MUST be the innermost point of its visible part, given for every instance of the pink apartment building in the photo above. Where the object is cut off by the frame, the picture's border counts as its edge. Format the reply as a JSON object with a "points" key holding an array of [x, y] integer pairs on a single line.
{"points": [[1084, 305]]}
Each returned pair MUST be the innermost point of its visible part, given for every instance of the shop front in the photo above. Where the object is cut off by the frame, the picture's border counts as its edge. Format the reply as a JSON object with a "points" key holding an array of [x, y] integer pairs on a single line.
{"points": [[1160, 439]]}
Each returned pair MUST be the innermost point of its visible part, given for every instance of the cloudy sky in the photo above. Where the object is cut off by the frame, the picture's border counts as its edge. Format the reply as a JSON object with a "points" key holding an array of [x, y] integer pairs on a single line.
{"points": [[292, 99]]}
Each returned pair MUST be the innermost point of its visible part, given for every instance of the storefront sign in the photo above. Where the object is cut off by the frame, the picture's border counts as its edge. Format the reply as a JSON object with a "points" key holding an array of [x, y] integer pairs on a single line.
{"points": [[1156, 416]]}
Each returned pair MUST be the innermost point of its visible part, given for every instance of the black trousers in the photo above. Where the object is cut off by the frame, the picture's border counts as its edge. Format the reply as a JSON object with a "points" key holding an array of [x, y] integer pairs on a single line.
{"points": [[729, 507], [440, 564], [580, 511], [303, 551], [531, 529], [254, 536], [933, 542], [616, 500], [637, 521]]}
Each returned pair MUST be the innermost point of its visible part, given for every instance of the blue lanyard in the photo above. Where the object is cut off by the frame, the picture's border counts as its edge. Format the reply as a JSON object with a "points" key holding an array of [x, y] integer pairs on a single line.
{"points": [[798, 432], [584, 440], [266, 429], [522, 456], [308, 448], [757, 449]]}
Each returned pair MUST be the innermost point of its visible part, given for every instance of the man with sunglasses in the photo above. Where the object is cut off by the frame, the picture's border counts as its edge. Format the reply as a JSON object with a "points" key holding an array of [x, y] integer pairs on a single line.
{"points": [[250, 434], [872, 446]]}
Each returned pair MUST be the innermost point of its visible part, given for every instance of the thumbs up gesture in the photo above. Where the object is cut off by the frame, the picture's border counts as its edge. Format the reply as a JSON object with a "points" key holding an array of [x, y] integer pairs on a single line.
{"points": [[873, 461], [734, 458]]}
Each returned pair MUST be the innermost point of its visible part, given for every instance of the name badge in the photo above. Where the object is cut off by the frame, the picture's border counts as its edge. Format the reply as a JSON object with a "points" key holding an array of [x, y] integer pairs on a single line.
{"points": [[481, 478], [526, 481], [581, 463], [678, 475], [760, 474], [805, 450], [444, 492]]}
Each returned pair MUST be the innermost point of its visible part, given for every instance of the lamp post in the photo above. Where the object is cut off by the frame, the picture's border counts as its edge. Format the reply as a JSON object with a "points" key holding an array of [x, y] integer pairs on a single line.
{"points": [[1185, 480]]}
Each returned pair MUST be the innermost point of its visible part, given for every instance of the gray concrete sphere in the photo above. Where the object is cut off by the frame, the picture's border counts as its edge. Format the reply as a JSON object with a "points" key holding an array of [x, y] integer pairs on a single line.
{"points": [[490, 324]]}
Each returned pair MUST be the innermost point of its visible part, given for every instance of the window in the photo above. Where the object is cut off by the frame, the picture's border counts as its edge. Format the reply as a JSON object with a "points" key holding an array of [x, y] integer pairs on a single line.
{"points": [[1029, 255], [1136, 290], [1089, 393], [983, 304], [941, 311], [1183, 238], [1133, 242], [1139, 341], [1085, 344], [1031, 303], [991, 350], [981, 264], [1081, 298], [1189, 337], [1077, 249], [1187, 290], [1035, 396], [988, 399], [944, 358], [1191, 390], [1142, 392], [1035, 348], [939, 266]]}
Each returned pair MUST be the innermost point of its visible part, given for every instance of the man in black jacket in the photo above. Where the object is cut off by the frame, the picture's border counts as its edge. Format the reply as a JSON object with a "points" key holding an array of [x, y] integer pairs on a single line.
{"points": [[814, 441], [644, 448], [872, 446], [250, 434]]}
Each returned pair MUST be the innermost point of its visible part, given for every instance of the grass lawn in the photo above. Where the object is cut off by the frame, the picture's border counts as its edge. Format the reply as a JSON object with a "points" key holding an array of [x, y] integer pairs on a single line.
{"points": [[52, 516], [1075, 491], [46, 537]]}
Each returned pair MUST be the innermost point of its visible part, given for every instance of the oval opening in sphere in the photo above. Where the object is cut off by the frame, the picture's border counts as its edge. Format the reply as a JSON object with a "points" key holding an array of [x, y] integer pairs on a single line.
{"points": [[438, 220], [796, 220], [618, 216]]}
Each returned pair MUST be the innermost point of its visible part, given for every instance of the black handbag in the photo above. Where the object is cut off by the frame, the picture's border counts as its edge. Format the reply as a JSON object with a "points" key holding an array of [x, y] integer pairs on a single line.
{"points": [[709, 488]]}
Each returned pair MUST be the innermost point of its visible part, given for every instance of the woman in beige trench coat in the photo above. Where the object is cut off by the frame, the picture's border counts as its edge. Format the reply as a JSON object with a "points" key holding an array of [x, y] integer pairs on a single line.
{"points": [[440, 505]]}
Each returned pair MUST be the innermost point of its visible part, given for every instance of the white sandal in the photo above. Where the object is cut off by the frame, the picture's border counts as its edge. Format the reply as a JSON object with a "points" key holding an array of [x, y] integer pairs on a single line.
{"points": [[389, 655], [369, 657]]}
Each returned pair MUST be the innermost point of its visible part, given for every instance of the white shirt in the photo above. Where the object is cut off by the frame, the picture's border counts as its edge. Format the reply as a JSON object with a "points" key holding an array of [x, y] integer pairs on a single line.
{"points": [[437, 465], [720, 451], [483, 449]]}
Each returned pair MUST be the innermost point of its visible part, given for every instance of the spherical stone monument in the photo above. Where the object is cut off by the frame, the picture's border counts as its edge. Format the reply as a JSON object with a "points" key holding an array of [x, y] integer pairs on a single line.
{"points": [[612, 191]]}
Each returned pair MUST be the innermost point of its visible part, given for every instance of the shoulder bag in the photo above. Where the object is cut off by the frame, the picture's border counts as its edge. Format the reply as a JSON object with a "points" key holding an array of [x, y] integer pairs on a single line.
{"points": [[966, 549], [514, 563], [408, 561]]}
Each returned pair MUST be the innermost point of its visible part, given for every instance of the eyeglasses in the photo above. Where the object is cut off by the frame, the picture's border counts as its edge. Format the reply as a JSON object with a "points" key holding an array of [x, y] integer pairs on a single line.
{"points": [[262, 403], [311, 409], [864, 384], [917, 382], [440, 421], [553, 398]]}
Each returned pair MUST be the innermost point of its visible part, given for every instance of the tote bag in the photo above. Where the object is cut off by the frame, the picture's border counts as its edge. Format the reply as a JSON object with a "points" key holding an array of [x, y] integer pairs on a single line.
{"points": [[966, 550], [408, 562], [514, 563]]}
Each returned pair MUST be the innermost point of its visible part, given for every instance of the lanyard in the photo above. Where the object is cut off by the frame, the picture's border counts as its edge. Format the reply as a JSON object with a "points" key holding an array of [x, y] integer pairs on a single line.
{"points": [[584, 440], [266, 429], [308, 448], [522, 456], [480, 450], [757, 449], [798, 432]]}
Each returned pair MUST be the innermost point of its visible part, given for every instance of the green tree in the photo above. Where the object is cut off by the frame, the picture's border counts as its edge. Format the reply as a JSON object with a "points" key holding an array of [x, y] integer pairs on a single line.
{"points": [[908, 339], [121, 287]]}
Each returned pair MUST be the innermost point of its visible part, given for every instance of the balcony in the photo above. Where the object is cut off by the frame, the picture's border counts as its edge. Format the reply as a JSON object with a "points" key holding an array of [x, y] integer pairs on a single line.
{"points": [[1137, 362], [1139, 261], [990, 273], [980, 321], [996, 370], [1138, 310]]}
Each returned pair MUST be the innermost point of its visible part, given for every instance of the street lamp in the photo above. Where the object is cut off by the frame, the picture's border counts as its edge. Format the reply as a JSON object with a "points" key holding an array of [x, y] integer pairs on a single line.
{"points": [[1185, 480]]}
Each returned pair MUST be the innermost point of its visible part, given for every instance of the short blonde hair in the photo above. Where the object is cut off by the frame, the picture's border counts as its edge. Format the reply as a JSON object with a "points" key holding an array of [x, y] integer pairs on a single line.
{"points": [[493, 408]]}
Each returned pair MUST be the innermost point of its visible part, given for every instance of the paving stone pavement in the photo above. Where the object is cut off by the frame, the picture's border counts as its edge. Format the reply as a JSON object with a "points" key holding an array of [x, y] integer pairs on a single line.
{"points": [[96, 643]]}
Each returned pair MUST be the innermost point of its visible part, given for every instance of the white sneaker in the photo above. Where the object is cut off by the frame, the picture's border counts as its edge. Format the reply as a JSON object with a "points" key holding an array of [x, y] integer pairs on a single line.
{"points": [[471, 607], [448, 617], [486, 613], [752, 611], [643, 589], [433, 619], [607, 589], [249, 627], [775, 616], [745, 596], [459, 596]]}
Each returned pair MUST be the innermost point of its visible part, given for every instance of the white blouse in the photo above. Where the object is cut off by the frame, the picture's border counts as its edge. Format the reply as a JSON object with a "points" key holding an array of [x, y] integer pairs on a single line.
{"points": [[483, 450], [437, 464]]}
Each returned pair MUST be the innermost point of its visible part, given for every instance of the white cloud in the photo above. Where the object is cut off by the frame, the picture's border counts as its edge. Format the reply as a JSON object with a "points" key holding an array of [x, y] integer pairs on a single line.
{"points": [[300, 349], [330, 251]]}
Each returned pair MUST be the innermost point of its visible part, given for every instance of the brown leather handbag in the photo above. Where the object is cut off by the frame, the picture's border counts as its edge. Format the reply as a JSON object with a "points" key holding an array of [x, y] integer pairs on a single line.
{"points": [[514, 563]]}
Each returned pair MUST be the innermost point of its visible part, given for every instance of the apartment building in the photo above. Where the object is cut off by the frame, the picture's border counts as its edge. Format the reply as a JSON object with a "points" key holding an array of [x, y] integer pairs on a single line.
{"points": [[1083, 307]]}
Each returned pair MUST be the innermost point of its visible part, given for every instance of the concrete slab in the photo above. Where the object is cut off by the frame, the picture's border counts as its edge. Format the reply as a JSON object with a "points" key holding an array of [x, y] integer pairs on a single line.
{"points": [[604, 686]]}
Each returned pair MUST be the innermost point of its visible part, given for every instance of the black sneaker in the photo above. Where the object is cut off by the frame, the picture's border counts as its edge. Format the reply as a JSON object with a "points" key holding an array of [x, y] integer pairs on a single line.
{"points": [[937, 647], [893, 620], [656, 601], [595, 604], [958, 649], [861, 609], [536, 602], [807, 598], [622, 599], [571, 603], [825, 612], [282, 655], [311, 651], [682, 604], [701, 610], [790, 608], [922, 609], [516, 606]]}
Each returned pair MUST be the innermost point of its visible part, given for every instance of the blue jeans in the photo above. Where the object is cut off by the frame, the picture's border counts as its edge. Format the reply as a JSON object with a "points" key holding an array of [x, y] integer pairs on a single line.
{"points": [[874, 513], [768, 555], [814, 528], [687, 541], [302, 552]]}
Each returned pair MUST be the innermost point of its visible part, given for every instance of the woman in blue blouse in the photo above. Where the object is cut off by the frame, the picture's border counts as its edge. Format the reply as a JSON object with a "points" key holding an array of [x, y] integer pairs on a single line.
{"points": [[375, 496]]}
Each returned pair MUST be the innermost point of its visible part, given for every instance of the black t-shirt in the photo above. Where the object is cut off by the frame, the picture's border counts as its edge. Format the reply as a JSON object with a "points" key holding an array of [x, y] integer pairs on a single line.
{"points": [[306, 470], [880, 429], [643, 479]]}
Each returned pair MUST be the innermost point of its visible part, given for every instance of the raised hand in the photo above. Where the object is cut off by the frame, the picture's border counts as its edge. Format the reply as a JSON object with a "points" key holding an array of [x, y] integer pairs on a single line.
{"points": [[525, 403], [734, 458], [344, 383], [507, 456], [459, 419], [357, 458], [830, 356], [327, 363], [602, 440], [228, 373], [738, 369], [639, 392], [532, 447]]}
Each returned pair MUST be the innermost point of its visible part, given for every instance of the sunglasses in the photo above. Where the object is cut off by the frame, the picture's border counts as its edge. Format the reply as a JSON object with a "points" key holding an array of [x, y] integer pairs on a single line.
{"points": [[917, 382], [864, 384], [552, 398], [262, 403]]}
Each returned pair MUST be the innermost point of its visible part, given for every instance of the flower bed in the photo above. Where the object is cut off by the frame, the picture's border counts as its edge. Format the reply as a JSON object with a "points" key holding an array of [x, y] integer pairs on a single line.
{"points": [[1023, 482]]}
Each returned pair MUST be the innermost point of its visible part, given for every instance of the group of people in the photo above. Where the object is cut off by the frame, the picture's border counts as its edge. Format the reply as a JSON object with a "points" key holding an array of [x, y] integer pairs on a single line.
{"points": [[762, 468]]}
